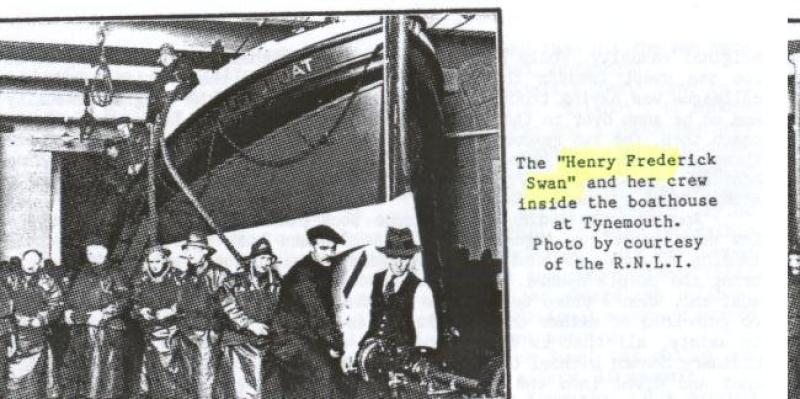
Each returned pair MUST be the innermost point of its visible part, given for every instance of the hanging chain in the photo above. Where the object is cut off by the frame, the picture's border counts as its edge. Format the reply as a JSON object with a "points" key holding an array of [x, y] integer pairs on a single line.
{"points": [[102, 86]]}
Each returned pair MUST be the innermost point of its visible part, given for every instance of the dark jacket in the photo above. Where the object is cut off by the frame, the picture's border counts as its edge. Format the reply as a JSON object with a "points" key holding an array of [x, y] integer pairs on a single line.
{"points": [[199, 298], [179, 71], [155, 293], [246, 301], [392, 316], [307, 299], [96, 287]]}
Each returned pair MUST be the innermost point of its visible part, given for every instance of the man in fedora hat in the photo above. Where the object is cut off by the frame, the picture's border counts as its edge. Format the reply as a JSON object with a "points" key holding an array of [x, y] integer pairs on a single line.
{"points": [[402, 309], [155, 302], [94, 304], [307, 300], [250, 301], [199, 306], [176, 77]]}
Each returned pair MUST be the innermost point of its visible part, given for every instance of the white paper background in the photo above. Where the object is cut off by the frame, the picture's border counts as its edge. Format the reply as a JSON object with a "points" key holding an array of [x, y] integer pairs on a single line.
{"points": [[575, 74]]}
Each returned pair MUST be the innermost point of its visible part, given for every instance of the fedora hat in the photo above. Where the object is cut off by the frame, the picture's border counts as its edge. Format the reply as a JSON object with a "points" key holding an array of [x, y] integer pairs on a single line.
{"points": [[197, 239], [260, 247], [399, 243]]}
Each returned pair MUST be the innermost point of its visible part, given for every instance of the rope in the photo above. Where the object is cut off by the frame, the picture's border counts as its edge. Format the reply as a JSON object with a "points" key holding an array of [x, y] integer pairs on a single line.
{"points": [[159, 129], [152, 213], [310, 146]]}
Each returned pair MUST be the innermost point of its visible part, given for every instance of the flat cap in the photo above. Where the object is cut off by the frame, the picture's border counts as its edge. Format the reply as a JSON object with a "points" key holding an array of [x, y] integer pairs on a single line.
{"points": [[324, 232]]}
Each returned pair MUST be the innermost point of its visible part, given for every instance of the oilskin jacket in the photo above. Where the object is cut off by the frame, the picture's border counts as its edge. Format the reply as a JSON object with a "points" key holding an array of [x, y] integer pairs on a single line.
{"points": [[35, 297], [200, 323], [94, 355], [161, 373], [249, 369]]}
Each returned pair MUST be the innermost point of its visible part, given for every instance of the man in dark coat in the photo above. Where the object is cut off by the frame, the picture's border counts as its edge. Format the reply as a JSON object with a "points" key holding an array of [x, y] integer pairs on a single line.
{"points": [[248, 369], [307, 300], [37, 301], [155, 301], [200, 315], [96, 300], [176, 77]]}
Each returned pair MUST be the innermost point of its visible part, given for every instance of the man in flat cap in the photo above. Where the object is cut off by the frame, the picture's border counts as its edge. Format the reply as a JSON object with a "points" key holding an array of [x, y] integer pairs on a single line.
{"points": [[201, 315], [175, 78], [307, 299], [155, 303], [250, 302], [96, 300]]}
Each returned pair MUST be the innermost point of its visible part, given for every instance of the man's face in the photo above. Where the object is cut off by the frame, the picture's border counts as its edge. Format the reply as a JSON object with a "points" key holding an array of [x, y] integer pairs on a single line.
{"points": [[398, 266], [195, 254], [31, 263], [166, 58], [124, 130], [262, 263], [323, 250], [156, 263], [112, 151], [96, 254]]}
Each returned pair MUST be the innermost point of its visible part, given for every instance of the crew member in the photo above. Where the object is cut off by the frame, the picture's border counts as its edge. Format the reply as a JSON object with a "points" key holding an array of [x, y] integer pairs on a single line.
{"points": [[130, 146], [250, 301], [37, 301], [201, 315], [96, 300], [175, 78], [155, 302], [402, 310], [307, 300]]}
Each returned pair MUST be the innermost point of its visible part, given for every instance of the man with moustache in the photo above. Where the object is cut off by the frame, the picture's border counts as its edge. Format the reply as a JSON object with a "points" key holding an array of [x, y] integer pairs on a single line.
{"points": [[96, 300], [155, 302], [248, 370], [307, 300], [37, 301], [201, 315]]}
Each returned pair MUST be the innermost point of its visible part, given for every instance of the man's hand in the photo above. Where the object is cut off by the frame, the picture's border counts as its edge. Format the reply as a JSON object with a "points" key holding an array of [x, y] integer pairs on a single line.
{"points": [[68, 317], [113, 308], [348, 362], [335, 354], [259, 329], [162, 314], [147, 314], [12, 349], [169, 87], [95, 318]]}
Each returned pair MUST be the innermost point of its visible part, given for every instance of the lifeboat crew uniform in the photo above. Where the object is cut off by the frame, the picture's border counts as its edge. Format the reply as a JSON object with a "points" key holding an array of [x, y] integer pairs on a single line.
{"points": [[94, 367], [161, 373], [248, 369]]}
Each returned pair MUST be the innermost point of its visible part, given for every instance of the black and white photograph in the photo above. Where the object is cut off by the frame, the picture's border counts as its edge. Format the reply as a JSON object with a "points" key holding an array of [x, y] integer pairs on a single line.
{"points": [[253, 206]]}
